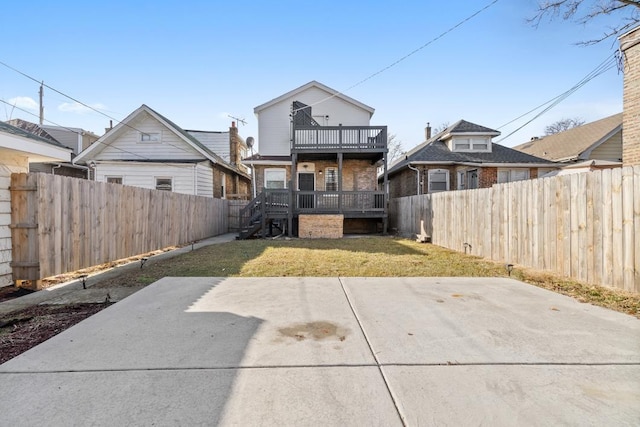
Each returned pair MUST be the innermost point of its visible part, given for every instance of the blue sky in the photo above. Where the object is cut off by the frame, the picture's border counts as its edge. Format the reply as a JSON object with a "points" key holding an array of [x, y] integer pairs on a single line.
{"points": [[197, 62]]}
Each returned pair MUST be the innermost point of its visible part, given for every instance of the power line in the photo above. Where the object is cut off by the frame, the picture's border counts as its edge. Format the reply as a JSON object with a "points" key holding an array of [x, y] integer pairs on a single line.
{"points": [[609, 63], [413, 52]]}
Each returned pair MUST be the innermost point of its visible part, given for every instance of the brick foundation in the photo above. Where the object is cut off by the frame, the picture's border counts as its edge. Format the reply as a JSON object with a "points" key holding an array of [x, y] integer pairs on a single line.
{"points": [[320, 226]]}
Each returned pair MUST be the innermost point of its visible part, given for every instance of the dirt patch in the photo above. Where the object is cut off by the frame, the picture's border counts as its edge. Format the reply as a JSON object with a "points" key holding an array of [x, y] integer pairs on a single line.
{"points": [[314, 330], [11, 292], [24, 329]]}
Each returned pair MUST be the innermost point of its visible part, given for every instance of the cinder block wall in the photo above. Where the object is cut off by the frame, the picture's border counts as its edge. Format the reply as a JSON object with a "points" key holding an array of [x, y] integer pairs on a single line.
{"points": [[630, 47], [320, 226]]}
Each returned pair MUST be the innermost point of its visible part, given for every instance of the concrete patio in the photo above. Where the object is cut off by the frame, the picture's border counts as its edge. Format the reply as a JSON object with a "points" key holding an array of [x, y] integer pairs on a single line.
{"points": [[333, 351]]}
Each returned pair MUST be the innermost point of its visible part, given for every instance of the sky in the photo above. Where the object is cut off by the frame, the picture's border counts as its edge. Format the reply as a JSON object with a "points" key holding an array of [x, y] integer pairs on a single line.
{"points": [[199, 62]]}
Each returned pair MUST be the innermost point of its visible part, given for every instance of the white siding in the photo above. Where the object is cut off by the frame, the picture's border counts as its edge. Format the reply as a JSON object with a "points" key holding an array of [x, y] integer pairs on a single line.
{"points": [[218, 142], [205, 179], [274, 123], [144, 174], [610, 150], [9, 165], [126, 146]]}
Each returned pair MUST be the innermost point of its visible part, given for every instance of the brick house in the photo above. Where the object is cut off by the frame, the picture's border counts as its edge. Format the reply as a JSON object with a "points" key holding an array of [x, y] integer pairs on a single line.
{"points": [[316, 169], [148, 150], [463, 156], [630, 49]]}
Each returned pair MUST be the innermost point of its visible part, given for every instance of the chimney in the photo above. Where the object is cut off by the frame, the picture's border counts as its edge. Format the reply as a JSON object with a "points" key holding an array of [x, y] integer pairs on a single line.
{"points": [[427, 131], [234, 144]]}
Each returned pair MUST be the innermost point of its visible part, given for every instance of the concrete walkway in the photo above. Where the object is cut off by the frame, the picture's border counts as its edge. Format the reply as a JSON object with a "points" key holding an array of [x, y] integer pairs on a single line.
{"points": [[333, 351]]}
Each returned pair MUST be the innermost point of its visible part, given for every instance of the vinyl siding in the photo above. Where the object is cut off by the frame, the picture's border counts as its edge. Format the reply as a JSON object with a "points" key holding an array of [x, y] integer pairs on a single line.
{"points": [[218, 142], [274, 122], [610, 150], [12, 164], [205, 180], [144, 175], [126, 145]]}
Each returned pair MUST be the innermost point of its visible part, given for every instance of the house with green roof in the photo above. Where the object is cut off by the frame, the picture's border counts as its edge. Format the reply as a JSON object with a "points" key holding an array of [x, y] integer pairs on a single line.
{"points": [[148, 150], [462, 156]]}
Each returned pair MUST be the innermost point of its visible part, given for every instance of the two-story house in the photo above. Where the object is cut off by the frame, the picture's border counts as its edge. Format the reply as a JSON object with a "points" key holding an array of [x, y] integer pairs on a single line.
{"points": [[316, 169]]}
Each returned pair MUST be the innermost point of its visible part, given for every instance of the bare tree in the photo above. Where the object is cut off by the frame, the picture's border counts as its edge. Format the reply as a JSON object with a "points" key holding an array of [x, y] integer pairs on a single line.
{"points": [[438, 129], [584, 11], [395, 148], [562, 125]]}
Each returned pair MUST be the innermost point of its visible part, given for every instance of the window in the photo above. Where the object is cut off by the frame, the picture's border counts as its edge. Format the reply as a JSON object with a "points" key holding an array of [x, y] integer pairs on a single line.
{"points": [[510, 175], [114, 179], [331, 179], [438, 180], [471, 144], [462, 178], [275, 178], [149, 137], [164, 184]]}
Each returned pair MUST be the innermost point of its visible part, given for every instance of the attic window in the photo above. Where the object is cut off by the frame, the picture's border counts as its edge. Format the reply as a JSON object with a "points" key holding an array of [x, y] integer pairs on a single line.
{"points": [[471, 144], [149, 137]]}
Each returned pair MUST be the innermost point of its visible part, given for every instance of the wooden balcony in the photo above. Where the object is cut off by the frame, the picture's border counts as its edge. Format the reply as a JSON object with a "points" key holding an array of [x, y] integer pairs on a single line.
{"points": [[350, 203], [352, 141]]}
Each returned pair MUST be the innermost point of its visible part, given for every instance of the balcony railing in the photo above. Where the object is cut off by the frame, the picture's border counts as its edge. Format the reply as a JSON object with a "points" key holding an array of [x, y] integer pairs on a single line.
{"points": [[340, 138], [276, 202]]}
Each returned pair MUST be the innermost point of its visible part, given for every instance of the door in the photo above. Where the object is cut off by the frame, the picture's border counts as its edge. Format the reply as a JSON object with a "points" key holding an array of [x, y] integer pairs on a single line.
{"points": [[306, 182]]}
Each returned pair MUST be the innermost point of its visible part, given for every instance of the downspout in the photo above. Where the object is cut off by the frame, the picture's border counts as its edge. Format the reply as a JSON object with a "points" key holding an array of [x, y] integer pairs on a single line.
{"points": [[53, 169], [195, 181], [417, 178]]}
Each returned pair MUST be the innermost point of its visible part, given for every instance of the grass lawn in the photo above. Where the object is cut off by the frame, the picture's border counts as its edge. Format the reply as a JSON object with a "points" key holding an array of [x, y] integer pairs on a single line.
{"points": [[366, 256]]}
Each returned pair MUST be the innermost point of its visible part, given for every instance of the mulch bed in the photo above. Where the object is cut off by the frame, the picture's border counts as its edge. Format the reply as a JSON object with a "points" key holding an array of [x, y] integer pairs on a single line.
{"points": [[11, 292], [24, 329]]}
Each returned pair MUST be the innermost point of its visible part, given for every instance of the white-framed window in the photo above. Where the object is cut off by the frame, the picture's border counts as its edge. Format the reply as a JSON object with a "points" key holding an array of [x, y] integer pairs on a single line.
{"points": [[472, 144], [462, 180], [275, 178], [113, 179], [511, 175], [331, 179], [149, 137], [438, 180], [164, 183]]}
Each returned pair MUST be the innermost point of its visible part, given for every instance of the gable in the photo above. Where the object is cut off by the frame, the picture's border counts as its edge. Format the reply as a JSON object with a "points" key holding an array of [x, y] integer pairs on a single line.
{"points": [[125, 142]]}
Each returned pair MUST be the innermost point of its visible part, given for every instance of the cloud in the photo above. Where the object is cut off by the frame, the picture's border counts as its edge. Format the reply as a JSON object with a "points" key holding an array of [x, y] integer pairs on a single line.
{"points": [[74, 107], [24, 102]]}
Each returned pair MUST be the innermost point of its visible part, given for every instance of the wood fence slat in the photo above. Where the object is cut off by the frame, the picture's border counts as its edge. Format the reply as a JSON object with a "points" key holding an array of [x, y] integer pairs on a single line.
{"points": [[628, 237], [636, 227], [616, 211]]}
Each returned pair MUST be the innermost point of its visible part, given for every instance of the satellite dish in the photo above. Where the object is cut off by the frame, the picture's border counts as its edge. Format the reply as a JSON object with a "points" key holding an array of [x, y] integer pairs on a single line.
{"points": [[250, 142]]}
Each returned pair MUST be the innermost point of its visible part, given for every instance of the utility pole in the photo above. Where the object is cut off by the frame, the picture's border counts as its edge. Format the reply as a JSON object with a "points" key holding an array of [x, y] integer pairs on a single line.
{"points": [[41, 103]]}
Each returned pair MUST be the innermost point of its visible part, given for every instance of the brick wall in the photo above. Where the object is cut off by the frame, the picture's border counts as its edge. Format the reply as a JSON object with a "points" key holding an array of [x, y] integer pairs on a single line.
{"points": [[487, 177], [320, 226], [630, 47]]}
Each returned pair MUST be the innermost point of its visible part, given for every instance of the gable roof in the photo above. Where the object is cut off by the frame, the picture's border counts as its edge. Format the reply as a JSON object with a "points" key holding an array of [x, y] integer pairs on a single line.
{"points": [[435, 151], [313, 83], [36, 148], [574, 143], [181, 133]]}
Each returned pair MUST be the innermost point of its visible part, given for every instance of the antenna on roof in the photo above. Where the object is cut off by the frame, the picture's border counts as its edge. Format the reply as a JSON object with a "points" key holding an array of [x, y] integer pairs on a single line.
{"points": [[238, 119]]}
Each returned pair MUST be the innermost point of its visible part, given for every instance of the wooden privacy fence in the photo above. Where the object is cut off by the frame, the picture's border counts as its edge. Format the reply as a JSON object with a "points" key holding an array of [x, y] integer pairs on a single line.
{"points": [[585, 226], [234, 214], [61, 224]]}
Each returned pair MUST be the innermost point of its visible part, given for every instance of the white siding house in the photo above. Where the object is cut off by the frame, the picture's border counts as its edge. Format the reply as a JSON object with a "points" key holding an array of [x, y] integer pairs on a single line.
{"points": [[18, 148], [148, 150], [329, 108]]}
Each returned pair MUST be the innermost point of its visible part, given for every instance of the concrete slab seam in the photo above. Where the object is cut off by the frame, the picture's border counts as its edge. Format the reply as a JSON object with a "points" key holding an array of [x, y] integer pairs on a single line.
{"points": [[366, 338]]}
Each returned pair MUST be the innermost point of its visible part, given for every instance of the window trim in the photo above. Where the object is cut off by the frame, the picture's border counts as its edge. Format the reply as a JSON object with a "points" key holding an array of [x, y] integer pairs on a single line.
{"points": [[326, 177], [431, 172], [108, 177], [141, 136], [267, 170], [510, 172], [170, 178]]}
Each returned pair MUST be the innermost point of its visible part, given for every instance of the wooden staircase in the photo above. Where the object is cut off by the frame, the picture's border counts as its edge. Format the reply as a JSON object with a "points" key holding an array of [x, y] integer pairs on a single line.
{"points": [[264, 214]]}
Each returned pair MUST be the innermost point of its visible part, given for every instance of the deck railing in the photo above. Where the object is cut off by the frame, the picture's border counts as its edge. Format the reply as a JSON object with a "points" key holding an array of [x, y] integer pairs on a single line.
{"points": [[339, 138]]}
